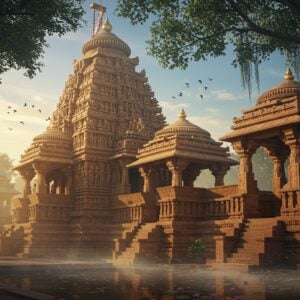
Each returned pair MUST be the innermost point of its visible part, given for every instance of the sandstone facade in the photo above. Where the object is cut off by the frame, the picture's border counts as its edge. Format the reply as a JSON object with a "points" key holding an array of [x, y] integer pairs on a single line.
{"points": [[109, 178]]}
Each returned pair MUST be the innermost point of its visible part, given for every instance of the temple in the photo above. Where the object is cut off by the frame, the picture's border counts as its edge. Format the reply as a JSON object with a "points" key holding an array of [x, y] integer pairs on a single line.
{"points": [[110, 178]]}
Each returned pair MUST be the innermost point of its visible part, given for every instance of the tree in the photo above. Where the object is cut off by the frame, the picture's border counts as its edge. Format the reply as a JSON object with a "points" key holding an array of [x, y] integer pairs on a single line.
{"points": [[185, 30], [6, 165], [24, 26]]}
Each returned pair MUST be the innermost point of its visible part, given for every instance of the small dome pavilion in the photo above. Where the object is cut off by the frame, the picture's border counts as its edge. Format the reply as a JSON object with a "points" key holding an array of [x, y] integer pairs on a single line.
{"points": [[274, 124], [181, 150], [48, 158]]}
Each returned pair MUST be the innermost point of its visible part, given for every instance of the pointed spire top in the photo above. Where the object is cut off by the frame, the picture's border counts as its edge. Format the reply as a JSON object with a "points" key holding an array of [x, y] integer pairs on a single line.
{"points": [[106, 26], [288, 74], [182, 114]]}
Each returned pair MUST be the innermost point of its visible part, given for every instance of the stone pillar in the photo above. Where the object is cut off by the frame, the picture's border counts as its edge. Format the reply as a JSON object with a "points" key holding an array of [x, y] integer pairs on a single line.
{"points": [[40, 171], [247, 183], [292, 140], [276, 154], [125, 185], [69, 184], [190, 174], [176, 167], [27, 176], [219, 171], [148, 174]]}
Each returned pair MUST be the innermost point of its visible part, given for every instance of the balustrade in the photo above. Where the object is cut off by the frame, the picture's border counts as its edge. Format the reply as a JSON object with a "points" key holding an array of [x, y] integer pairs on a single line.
{"points": [[189, 209], [290, 203], [128, 214]]}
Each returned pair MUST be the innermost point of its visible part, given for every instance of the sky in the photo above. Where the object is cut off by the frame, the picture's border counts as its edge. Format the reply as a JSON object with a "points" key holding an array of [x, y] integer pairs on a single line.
{"points": [[223, 99]]}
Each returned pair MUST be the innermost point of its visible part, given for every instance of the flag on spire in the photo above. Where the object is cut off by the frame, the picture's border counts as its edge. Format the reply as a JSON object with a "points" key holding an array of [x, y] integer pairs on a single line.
{"points": [[101, 11]]}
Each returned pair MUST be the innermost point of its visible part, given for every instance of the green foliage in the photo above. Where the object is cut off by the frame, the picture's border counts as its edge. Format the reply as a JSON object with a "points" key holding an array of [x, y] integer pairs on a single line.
{"points": [[196, 248], [24, 26], [183, 30], [6, 165]]}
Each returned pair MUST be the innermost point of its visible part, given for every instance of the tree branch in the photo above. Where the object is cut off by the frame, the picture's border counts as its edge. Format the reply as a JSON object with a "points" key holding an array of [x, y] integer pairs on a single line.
{"points": [[294, 5], [251, 26]]}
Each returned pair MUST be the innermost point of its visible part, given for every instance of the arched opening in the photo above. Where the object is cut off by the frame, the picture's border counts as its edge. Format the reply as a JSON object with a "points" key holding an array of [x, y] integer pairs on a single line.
{"points": [[263, 170]]}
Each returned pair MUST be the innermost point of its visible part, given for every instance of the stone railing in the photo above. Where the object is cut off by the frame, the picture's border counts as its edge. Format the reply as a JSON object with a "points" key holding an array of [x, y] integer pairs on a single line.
{"points": [[136, 207], [190, 203], [49, 208], [269, 204], [225, 190], [290, 202]]}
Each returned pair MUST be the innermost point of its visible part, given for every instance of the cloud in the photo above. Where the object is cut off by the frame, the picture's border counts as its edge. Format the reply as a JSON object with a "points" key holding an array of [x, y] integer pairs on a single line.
{"points": [[224, 95], [212, 110], [172, 107], [77, 37], [215, 126], [275, 73]]}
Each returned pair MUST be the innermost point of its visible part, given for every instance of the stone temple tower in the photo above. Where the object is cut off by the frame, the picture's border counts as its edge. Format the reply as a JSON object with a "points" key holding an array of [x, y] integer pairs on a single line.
{"points": [[110, 111], [74, 170]]}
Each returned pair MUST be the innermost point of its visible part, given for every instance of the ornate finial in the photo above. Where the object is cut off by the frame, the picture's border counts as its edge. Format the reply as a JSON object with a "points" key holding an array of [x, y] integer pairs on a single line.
{"points": [[182, 114], [106, 26], [288, 74]]}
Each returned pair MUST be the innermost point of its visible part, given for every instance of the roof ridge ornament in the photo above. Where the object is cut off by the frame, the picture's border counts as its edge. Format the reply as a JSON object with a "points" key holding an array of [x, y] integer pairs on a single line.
{"points": [[106, 26], [182, 114], [288, 74]]}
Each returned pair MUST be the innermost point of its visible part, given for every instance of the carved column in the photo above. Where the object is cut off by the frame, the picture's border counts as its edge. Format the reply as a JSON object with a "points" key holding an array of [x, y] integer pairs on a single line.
{"points": [[27, 176], [40, 171], [148, 174], [190, 174], [247, 182], [219, 171], [277, 155], [69, 184], [125, 185], [292, 140], [176, 167]]}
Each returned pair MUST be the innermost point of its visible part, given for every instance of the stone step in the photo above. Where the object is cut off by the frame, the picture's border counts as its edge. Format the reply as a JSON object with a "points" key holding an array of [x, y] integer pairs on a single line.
{"points": [[249, 261]]}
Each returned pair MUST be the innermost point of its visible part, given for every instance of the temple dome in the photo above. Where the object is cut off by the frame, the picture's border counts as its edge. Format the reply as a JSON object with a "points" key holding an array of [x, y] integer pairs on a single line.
{"points": [[182, 127], [52, 134], [288, 88], [106, 39], [183, 140]]}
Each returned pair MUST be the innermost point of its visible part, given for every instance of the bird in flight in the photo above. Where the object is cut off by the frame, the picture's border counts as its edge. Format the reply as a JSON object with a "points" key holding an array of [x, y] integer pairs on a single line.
{"points": [[39, 110], [205, 87], [200, 81], [174, 97], [22, 122], [32, 106], [9, 107], [187, 84], [201, 96], [48, 119], [210, 79], [15, 110], [25, 104], [10, 128], [180, 94]]}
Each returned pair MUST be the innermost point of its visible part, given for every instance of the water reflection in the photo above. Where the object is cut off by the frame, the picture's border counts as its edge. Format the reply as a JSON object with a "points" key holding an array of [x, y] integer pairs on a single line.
{"points": [[153, 283]]}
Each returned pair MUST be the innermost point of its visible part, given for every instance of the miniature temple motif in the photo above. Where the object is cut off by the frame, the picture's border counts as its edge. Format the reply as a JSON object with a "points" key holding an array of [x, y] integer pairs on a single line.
{"points": [[109, 178]]}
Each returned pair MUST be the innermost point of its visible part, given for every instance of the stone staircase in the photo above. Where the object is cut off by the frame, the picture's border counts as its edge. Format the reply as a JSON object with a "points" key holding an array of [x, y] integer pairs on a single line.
{"points": [[260, 243], [12, 241], [143, 246]]}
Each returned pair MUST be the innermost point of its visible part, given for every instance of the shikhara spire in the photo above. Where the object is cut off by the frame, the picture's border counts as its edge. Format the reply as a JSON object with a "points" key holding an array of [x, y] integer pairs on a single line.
{"points": [[101, 11]]}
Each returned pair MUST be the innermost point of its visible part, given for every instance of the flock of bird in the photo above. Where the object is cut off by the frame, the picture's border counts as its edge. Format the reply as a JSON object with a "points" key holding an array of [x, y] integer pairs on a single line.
{"points": [[12, 110], [187, 85]]}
